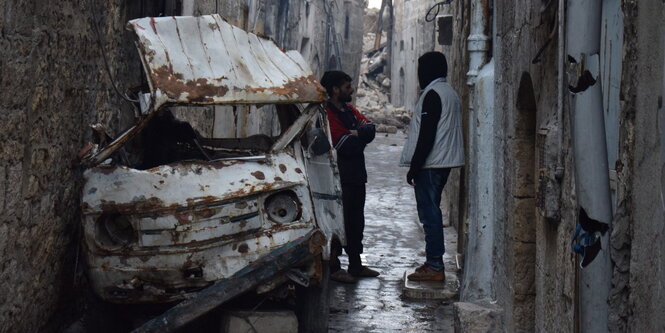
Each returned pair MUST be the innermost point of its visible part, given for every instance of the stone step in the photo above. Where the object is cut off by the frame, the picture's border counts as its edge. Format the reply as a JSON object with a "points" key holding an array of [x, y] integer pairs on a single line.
{"points": [[480, 317], [259, 322], [431, 289]]}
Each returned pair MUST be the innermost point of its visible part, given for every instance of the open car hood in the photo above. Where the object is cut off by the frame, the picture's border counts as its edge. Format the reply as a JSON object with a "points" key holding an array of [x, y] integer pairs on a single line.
{"points": [[205, 60]]}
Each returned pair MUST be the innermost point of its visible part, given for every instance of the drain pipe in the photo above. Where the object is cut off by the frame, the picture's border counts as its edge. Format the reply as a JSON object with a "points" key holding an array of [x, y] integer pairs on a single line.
{"points": [[478, 266], [478, 41], [590, 152]]}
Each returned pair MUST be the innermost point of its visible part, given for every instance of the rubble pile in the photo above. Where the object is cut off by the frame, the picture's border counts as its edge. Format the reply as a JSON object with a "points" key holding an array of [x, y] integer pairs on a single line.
{"points": [[373, 90]]}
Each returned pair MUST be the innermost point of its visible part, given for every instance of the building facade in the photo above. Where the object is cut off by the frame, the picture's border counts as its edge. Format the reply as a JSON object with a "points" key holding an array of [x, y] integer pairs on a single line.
{"points": [[563, 113]]}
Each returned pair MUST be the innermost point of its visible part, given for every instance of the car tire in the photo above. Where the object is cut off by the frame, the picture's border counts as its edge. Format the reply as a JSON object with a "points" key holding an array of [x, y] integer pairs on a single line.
{"points": [[313, 304]]}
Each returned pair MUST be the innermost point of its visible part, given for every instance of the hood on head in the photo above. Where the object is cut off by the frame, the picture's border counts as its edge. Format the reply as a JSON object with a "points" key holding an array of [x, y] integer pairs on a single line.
{"points": [[431, 66]]}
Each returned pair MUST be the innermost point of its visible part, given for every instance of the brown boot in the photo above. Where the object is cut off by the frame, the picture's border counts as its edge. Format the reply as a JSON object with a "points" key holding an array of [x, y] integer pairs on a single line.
{"points": [[426, 273]]}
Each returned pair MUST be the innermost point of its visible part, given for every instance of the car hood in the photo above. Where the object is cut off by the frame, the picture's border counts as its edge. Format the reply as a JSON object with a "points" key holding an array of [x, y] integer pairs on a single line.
{"points": [[123, 190], [205, 60]]}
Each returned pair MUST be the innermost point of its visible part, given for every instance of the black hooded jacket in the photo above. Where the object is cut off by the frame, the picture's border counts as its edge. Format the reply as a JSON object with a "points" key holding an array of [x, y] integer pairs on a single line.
{"points": [[431, 66]]}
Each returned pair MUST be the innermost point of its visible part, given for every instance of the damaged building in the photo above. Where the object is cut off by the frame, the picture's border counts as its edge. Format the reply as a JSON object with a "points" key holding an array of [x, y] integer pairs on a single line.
{"points": [[563, 104]]}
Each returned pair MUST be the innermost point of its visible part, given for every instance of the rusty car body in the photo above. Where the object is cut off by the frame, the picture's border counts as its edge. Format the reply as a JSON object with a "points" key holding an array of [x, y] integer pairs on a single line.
{"points": [[160, 234]]}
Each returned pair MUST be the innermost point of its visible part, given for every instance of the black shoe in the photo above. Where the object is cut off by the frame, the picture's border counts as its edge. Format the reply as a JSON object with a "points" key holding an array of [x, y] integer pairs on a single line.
{"points": [[343, 277], [364, 271]]}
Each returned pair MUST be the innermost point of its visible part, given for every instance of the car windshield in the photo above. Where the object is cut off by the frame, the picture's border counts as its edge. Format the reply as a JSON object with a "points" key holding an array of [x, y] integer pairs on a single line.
{"points": [[181, 133]]}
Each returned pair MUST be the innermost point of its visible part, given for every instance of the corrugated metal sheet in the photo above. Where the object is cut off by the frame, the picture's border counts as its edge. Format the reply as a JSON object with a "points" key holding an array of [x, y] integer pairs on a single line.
{"points": [[205, 60]]}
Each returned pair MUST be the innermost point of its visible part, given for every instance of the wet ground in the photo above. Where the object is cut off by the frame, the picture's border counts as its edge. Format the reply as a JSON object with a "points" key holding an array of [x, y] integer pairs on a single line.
{"points": [[393, 242]]}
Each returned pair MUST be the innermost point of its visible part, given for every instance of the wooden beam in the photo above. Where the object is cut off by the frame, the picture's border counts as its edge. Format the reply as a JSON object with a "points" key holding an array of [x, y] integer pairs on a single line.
{"points": [[379, 26]]}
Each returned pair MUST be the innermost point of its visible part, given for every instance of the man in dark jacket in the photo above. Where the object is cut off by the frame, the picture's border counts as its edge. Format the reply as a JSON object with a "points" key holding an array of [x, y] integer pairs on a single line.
{"points": [[433, 147], [351, 132]]}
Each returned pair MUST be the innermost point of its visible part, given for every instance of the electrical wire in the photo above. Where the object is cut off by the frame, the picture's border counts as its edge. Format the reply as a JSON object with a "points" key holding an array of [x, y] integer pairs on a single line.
{"points": [[95, 24], [430, 16]]}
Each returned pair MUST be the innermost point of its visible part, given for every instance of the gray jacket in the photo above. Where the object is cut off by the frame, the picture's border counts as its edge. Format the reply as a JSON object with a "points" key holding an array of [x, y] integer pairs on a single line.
{"points": [[448, 150]]}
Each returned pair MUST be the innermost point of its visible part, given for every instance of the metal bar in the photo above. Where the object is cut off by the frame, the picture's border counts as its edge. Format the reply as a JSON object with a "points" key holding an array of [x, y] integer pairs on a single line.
{"points": [[296, 128], [260, 271], [116, 144]]}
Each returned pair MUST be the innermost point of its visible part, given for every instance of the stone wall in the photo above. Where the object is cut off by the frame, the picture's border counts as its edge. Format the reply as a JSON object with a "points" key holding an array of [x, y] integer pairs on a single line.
{"points": [[536, 273], [637, 255], [534, 263], [53, 85]]}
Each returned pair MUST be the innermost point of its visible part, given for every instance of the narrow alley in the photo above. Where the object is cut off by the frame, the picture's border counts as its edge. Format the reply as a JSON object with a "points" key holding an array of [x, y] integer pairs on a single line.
{"points": [[169, 165], [393, 242]]}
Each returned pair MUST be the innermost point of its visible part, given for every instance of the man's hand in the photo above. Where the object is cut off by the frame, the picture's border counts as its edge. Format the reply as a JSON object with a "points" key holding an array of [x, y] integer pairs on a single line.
{"points": [[354, 132], [411, 176], [366, 132]]}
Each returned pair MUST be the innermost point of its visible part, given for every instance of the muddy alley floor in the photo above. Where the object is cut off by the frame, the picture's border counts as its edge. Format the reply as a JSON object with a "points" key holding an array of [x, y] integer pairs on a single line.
{"points": [[393, 242]]}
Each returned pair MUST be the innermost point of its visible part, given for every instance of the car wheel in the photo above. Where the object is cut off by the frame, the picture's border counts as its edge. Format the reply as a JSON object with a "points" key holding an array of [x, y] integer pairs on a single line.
{"points": [[313, 304]]}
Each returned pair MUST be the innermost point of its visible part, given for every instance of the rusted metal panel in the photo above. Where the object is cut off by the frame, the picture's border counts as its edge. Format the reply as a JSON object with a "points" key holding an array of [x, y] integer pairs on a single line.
{"points": [[205, 60], [124, 190], [166, 275], [296, 252], [326, 190], [193, 223], [203, 230]]}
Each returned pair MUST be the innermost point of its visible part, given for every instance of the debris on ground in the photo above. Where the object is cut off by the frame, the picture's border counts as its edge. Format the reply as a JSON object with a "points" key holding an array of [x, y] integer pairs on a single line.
{"points": [[373, 91]]}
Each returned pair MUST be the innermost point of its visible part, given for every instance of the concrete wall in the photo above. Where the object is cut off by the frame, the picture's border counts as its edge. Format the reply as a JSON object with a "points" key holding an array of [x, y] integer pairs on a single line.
{"points": [[54, 85]]}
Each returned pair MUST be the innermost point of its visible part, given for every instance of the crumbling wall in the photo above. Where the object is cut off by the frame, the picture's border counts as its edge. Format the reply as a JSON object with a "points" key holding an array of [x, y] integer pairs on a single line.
{"points": [[53, 85]]}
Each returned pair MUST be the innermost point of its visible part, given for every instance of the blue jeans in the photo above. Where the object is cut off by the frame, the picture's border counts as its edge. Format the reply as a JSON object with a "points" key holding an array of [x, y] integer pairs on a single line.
{"points": [[429, 186]]}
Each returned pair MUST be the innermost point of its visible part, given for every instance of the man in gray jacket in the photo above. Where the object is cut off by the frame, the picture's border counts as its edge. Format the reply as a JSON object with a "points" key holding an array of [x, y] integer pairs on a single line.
{"points": [[434, 145]]}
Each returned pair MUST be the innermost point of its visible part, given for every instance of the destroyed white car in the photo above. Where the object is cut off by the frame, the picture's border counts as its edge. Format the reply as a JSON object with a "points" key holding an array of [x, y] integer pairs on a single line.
{"points": [[236, 214]]}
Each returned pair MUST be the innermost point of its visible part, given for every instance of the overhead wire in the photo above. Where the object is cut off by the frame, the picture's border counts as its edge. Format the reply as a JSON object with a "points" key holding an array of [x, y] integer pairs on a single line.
{"points": [[95, 24]]}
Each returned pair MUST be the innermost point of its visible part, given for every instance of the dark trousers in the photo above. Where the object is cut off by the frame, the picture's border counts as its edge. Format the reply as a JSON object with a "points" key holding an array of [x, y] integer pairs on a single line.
{"points": [[353, 199], [429, 185]]}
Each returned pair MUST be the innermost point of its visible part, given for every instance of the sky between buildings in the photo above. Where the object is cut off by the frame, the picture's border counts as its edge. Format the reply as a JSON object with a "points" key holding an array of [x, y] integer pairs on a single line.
{"points": [[374, 4]]}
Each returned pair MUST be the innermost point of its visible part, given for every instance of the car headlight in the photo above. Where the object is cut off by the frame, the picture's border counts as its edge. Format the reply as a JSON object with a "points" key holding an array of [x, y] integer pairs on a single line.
{"points": [[283, 207], [114, 231]]}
